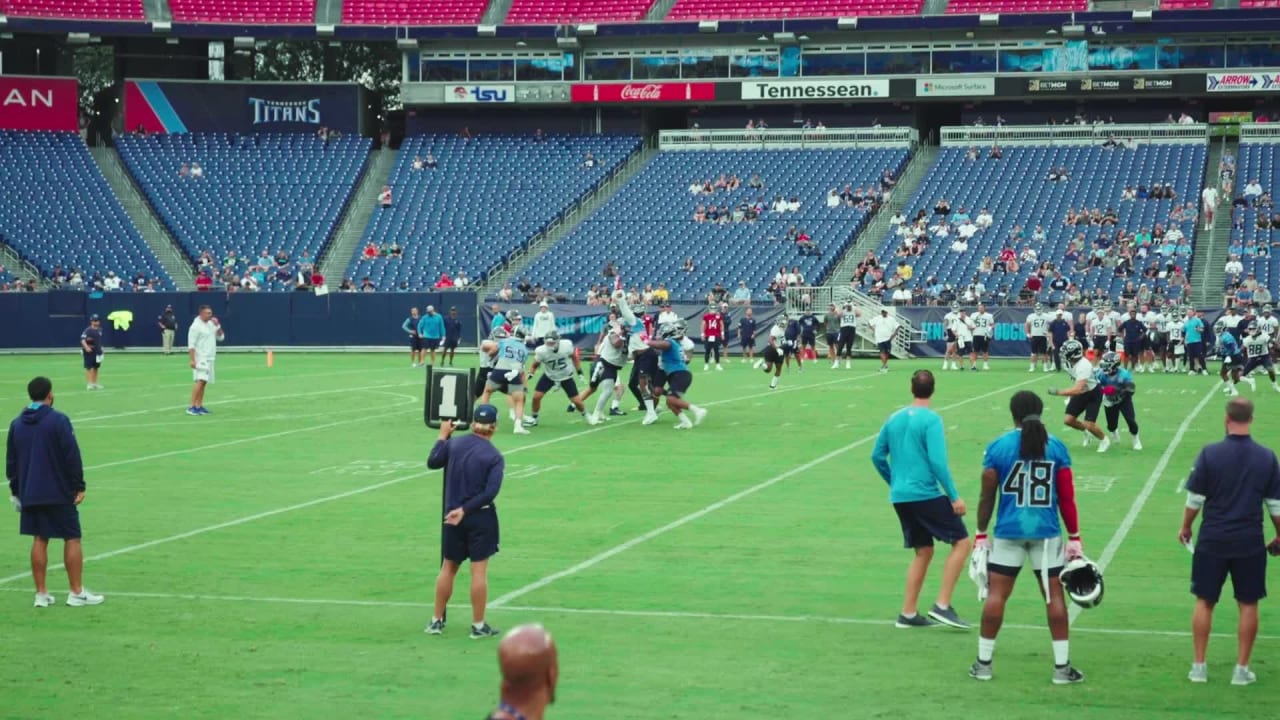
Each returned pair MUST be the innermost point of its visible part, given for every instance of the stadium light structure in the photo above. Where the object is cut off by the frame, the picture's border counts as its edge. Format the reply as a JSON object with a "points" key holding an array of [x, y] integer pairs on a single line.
{"points": [[406, 43], [324, 30], [78, 38], [1073, 31], [243, 43], [487, 30], [784, 38], [989, 19], [587, 29], [568, 43], [1142, 16], [847, 23], [161, 26], [709, 26]]}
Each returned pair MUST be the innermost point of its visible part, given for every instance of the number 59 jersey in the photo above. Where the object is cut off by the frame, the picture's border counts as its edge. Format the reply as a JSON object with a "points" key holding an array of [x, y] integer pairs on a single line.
{"points": [[1026, 491]]}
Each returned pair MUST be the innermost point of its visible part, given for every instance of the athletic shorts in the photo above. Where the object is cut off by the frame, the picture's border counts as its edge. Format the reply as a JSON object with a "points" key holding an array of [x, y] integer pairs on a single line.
{"points": [[58, 522], [1100, 343], [474, 539], [747, 341], [203, 372], [951, 337], [601, 371], [789, 348], [92, 361], [646, 363], [1231, 361], [1086, 405], [1262, 361], [430, 343], [451, 343], [678, 383], [1009, 556], [833, 338], [415, 343], [924, 520], [809, 340], [545, 384], [982, 344], [1158, 343], [773, 355], [498, 381], [886, 346], [964, 348], [1248, 576], [1137, 346], [1039, 345]]}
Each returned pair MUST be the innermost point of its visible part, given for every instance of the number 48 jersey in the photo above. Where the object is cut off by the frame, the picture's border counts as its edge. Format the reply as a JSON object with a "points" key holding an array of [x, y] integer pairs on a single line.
{"points": [[1027, 492]]}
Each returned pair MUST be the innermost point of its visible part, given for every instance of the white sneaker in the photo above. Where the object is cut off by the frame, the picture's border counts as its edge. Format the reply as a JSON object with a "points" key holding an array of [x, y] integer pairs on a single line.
{"points": [[955, 366], [1031, 369], [757, 365], [1243, 676], [89, 386], [699, 414], [684, 423], [986, 366], [706, 368], [519, 430], [719, 367], [1048, 368], [84, 598], [1104, 444], [773, 384], [1086, 437], [649, 418], [1139, 370], [1199, 673], [847, 364], [530, 421], [1275, 387], [1234, 392], [1253, 384], [592, 418], [44, 600], [835, 365], [1137, 444]]}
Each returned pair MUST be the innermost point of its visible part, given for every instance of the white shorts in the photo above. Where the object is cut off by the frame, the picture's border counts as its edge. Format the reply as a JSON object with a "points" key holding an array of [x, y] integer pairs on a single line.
{"points": [[1015, 553], [203, 372]]}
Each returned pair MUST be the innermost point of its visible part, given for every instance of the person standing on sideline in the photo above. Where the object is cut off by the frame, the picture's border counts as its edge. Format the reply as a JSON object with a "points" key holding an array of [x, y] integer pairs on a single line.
{"points": [[46, 486], [202, 347], [168, 322], [431, 328], [410, 326], [747, 336], [1059, 332], [885, 328], [831, 328], [91, 349], [473, 470], [911, 456], [452, 336], [1027, 482], [499, 319], [544, 321], [530, 669], [1230, 482]]}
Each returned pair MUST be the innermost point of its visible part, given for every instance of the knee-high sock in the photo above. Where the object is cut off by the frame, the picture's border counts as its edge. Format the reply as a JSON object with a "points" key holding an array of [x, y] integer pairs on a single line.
{"points": [[606, 395]]}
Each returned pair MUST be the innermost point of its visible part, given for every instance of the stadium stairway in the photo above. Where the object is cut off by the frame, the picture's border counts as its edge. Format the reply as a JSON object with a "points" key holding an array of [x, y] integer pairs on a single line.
{"points": [[20, 269], [154, 234], [934, 7], [869, 239], [496, 12], [1210, 257], [574, 217], [659, 10], [157, 10], [328, 12], [337, 254]]}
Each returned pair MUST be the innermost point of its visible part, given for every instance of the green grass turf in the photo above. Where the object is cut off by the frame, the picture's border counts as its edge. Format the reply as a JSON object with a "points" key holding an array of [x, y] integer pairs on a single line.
{"points": [[776, 603]]}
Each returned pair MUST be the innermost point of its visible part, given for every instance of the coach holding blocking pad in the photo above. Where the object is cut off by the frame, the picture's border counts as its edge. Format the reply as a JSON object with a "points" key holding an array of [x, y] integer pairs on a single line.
{"points": [[473, 470]]}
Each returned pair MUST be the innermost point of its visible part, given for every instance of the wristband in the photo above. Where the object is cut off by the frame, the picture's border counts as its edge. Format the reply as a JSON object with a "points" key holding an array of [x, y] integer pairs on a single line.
{"points": [[1075, 537], [980, 536]]}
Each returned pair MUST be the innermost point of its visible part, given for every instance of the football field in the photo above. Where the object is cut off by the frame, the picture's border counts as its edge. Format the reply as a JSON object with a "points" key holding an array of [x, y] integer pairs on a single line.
{"points": [[276, 558]]}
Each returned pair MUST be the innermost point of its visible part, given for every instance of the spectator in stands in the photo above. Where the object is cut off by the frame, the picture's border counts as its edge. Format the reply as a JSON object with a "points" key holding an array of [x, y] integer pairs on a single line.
{"points": [[461, 279], [793, 204], [589, 161], [795, 278], [366, 285], [465, 134], [506, 293], [971, 154], [444, 282], [1111, 142], [197, 172], [1252, 191], [806, 245], [833, 198], [1262, 296], [384, 197], [184, 171], [111, 283], [995, 153], [395, 251], [756, 182], [317, 280], [942, 207], [1185, 119], [687, 265], [741, 294], [1233, 266], [541, 137], [370, 251], [203, 282], [419, 163], [984, 219], [966, 231], [431, 162]]}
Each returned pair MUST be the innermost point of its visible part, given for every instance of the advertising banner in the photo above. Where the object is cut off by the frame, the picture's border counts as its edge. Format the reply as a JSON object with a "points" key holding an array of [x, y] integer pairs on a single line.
{"points": [[1242, 82], [956, 87], [39, 103], [850, 89], [480, 94], [1100, 84], [642, 92], [162, 106]]}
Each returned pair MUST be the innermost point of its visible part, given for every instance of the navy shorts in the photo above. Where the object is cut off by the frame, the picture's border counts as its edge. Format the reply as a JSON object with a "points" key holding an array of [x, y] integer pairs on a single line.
{"points": [[1086, 405], [1262, 361], [886, 347], [1248, 576], [61, 522], [678, 383], [833, 338], [1100, 343], [474, 539], [545, 384], [924, 520], [499, 382], [91, 361], [982, 344], [1230, 362], [809, 340], [1039, 345], [646, 363], [430, 343], [451, 343], [747, 341], [415, 343], [601, 371], [773, 355]]}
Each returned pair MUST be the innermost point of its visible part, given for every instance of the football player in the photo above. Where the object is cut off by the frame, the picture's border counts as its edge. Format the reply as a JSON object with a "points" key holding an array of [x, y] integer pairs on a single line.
{"points": [[1176, 350], [984, 327], [644, 382], [950, 356], [1157, 338], [1084, 399], [1037, 327], [1133, 329], [791, 349], [809, 324], [1117, 397], [962, 330], [559, 364], [1099, 326], [1228, 349], [507, 374], [611, 357], [774, 356], [712, 337], [1257, 348], [848, 334], [1028, 484], [677, 372]]}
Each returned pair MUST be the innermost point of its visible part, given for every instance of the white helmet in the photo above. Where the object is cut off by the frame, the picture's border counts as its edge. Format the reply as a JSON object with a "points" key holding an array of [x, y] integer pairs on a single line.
{"points": [[1082, 581]]}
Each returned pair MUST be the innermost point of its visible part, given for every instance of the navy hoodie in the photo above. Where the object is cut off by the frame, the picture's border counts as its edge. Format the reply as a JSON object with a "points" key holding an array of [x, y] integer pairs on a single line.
{"points": [[43, 459]]}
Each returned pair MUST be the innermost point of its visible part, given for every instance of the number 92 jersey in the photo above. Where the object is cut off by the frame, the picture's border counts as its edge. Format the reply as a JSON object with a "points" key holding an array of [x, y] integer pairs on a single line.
{"points": [[1027, 494]]}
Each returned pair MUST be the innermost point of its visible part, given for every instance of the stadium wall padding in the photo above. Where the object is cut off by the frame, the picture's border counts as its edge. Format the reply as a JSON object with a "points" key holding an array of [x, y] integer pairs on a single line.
{"points": [[56, 319]]}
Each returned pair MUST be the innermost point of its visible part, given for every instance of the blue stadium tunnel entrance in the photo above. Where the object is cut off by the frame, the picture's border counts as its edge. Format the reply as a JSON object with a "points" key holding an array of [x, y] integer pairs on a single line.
{"points": [[931, 117]]}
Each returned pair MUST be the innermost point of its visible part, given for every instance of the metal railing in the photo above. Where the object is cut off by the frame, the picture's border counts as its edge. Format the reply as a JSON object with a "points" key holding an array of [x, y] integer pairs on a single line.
{"points": [[816, 299], [1259, 132], [1073, 134], [786, 139]]}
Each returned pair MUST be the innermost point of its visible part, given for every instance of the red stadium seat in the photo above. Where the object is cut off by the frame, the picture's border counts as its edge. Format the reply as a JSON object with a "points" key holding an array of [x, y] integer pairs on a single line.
{"points": [[526, 12], [79, 9], [244, 11], [1187, 4], [417, 12], [973, 7], [751, 9]]}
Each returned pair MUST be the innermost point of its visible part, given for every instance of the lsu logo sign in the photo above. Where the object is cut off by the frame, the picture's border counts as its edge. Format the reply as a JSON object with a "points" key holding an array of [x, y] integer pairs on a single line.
{"points": [[480, 94], [306, 112]]}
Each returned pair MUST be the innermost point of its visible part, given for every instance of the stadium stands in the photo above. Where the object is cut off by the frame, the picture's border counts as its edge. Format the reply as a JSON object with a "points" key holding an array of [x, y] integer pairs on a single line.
{"points": [[973, 7], [58, 210], [77, 9], [272, 192], [764, 9], [647, 228], [244, 11], [1188, 4], [486, 199], [419, 12], [546, 12], [1250, 242], [1018, 193]]}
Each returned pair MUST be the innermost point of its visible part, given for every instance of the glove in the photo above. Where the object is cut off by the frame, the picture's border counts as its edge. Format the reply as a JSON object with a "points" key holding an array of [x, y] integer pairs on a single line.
{"points": [[1052, 391], [982, 542], [1075, 548], [1109, 390], [1274, 547], [513, 375], [17, 504]]}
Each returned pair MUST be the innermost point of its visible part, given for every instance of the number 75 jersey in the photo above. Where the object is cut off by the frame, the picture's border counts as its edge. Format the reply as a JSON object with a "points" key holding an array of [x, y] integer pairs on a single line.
{"points": [[1026, 491]]}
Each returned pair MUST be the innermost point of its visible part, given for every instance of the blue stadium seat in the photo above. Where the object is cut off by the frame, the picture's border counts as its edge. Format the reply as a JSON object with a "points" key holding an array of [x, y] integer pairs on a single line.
{"points": [[1253, 245]]}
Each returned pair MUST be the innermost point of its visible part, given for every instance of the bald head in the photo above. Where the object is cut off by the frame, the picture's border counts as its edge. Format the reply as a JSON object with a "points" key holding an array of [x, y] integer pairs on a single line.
{"points": [[527, 658]]}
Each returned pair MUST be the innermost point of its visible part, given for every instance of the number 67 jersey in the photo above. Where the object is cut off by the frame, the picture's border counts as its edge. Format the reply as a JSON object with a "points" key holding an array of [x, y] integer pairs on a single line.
{"points": [[1027, 494]]}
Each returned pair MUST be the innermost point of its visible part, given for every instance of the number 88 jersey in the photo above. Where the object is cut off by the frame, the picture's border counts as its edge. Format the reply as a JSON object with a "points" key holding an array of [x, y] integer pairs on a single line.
{"points": [[1027, 493]]}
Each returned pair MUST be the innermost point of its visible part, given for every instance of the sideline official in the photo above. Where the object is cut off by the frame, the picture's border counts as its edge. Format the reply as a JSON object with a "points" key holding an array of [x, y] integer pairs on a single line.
{"points": [[473, 470], [1230, 483], [168, 323], [46, 484]]}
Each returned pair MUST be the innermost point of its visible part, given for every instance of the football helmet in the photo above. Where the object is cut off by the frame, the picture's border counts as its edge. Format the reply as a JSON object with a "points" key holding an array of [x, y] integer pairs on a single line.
{"points": [[1219, 327], [667, 331], [1082, 581], [552, 338], [1253, 328], [514, 317], [1072, 351], [955, 307], [781, 321], [1039, 308], [1110, 363], [499, 333], [519, 332], [1267, 309]]}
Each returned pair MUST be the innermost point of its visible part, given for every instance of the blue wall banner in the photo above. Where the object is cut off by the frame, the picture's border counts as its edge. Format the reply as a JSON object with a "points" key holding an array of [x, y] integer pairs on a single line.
{"points": [[165, 106]]}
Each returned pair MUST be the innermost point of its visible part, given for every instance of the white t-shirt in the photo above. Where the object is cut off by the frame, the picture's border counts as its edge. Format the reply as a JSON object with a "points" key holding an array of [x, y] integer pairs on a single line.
{"points": [[963, 330], [778, 336], [984, 324], [556, 362], [1083, 370], [544, 321], [1210, 197], [885, 327], [203, 337]]}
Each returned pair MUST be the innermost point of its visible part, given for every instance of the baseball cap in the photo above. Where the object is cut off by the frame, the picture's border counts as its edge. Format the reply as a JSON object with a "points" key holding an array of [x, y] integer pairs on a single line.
{"points": [[485, 414], [431, 308], [94, 317]]}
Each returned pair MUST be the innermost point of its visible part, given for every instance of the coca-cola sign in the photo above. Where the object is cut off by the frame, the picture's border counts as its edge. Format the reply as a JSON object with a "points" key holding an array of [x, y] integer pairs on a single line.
{"points": [[643, 92]]}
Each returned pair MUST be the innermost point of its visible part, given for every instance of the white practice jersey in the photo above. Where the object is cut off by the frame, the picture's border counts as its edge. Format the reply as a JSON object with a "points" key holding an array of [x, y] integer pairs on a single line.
{"points": [[1257, 345], [1039, 323], [203, 337], [984, 324], [778, 336], [848, 319], [613, 355], [884, 327], [1174, 327], [1100, 324], [963, 329], [949, 320], [1231, 321], [1268, 325], [1153, 320], [1083, 370], [556, 362]]}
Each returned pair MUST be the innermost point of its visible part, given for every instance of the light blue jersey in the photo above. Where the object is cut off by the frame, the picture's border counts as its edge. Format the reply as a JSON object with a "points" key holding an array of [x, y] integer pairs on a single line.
{"points": [[1122, 381], [911, 455], [511, 354], [431, 326], [672, 358], [1193, 329], [1027, 494], [1228, 345]]}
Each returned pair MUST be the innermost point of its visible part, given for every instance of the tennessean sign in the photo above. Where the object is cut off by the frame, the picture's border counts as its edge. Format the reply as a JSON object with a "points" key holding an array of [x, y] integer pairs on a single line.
{"points": [[39, 103], [814, 89], [642, 92]]}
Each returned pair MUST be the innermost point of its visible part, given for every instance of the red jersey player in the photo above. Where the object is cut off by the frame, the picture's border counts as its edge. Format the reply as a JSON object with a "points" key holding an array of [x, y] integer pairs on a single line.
{"points": [[712, 337]]}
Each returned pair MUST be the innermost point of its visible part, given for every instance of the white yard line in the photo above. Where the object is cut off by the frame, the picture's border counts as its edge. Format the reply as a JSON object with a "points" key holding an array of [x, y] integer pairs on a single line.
{"points": [[685, 520], [357, 491], [648, 614]]}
